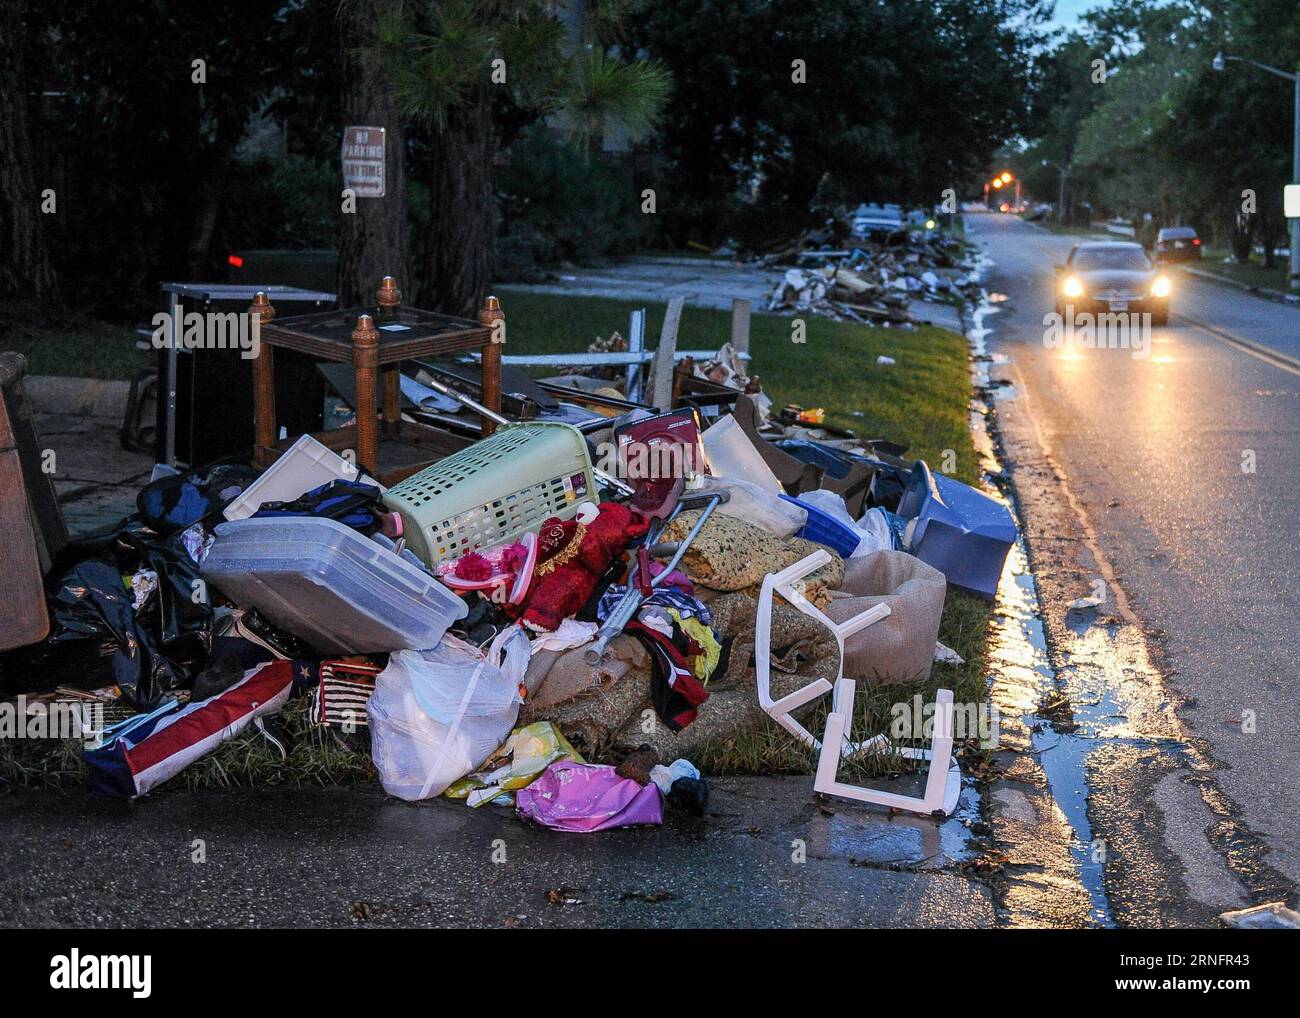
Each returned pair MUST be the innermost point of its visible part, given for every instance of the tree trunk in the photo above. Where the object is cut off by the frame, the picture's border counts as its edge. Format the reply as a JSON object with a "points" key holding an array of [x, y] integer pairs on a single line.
{"points": [[1267, 234], [1243, 235], [25, 269], [459, 249], [372, 243]]}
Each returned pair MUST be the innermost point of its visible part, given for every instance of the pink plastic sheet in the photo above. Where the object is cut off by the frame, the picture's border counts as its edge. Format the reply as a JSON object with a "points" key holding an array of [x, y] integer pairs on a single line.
{"points": [[587, 797]]}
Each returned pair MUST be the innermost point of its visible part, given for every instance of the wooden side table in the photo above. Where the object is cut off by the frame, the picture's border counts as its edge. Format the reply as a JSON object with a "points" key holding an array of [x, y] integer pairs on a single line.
{"points": [[374, 340]]}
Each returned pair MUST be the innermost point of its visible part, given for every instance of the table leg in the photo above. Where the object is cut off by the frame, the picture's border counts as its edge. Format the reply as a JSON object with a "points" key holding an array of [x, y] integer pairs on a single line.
{"points": [[264, 404], [365, 364], [392, 398], [492, 317]]}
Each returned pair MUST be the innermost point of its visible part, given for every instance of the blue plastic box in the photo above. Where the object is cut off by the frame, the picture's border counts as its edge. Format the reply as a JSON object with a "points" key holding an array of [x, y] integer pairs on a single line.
{"points": [[960, 531], [825, 529]]}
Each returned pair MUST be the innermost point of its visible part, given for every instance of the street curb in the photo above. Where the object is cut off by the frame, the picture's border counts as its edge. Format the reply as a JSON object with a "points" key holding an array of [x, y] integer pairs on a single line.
{"points": [[1277, 296]]}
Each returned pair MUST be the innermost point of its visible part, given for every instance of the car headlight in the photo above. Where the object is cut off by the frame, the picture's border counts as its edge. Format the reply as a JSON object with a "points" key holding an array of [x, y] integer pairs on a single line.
{"points": [[1072, 287], [1161, 287]]}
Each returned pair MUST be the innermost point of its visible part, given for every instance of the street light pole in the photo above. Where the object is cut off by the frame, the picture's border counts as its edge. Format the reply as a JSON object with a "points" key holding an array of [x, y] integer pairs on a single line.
{"points": [[1219, 63], [1060, 191], [1294, 273]]}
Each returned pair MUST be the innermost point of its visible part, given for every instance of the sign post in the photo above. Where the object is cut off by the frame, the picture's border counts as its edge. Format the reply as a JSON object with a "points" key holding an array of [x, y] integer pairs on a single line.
{"points": [[363, 161]]}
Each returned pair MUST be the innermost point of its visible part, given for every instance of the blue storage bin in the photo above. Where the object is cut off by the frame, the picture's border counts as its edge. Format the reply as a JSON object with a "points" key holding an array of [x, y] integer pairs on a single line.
{"points": [[835, 462], [826, 529], [960, 531]]}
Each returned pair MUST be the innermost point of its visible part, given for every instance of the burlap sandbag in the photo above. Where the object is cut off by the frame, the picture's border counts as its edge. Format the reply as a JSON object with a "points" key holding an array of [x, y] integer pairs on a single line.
{"points": [[899, 648], [589, 703]]}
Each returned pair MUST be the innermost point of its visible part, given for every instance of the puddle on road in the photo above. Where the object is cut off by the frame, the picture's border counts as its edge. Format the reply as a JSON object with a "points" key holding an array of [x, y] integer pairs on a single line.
{"points": [[1024, 680], [867, 836], [1106, 689]]}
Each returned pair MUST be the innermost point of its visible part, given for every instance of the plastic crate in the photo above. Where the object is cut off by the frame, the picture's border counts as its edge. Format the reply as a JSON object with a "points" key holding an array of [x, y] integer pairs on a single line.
{"points": [[494, 490], [304, 466], [825, 529], [330, 585], [960, 531]]}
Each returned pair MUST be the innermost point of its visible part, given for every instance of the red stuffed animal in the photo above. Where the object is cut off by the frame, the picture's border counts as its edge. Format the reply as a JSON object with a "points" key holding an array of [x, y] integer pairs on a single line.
{"points": [[571, 559]]}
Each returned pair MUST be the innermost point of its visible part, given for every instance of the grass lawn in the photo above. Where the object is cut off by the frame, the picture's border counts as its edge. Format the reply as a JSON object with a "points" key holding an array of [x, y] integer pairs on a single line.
{"points": [[1252, 273], [920, 401], [59, 342]]}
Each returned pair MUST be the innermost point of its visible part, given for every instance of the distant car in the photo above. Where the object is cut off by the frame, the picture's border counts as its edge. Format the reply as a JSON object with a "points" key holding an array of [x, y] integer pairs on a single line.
{"points": [[1177, 244], [1112, 276], [868, 219]]}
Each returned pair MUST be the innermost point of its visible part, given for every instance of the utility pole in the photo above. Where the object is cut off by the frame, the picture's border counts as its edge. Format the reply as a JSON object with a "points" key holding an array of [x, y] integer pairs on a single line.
{"points": [[1220, 63]]}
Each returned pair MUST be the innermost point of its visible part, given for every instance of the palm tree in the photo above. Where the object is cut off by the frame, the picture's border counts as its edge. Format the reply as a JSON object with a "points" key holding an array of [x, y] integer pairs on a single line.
{"points": [[471, 74]]}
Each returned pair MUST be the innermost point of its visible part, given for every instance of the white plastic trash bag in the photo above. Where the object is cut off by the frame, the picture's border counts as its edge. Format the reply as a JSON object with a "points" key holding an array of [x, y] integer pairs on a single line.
{"points": [[437, 715], [877, 534], [756, 505], [873, 526]]}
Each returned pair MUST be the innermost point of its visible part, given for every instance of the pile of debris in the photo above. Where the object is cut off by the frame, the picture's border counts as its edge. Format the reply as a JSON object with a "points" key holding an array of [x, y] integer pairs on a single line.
{"points": [[567, 657], [878, 281]]}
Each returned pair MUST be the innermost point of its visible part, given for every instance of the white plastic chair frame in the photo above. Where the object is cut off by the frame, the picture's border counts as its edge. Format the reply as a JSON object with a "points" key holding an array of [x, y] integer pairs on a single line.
{"points": [[942, 785]]}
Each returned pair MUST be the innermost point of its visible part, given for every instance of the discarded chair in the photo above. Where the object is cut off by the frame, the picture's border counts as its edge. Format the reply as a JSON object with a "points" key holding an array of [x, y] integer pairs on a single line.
{"points": [[943, 783]]}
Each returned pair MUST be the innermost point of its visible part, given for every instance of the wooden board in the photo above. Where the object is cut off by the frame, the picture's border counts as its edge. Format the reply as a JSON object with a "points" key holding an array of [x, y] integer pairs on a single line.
{"points": [[23, 618]]}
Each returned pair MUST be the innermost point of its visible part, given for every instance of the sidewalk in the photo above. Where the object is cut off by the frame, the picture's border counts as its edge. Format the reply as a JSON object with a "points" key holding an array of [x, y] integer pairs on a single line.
{"points": [[765, 855], [95, 479]]}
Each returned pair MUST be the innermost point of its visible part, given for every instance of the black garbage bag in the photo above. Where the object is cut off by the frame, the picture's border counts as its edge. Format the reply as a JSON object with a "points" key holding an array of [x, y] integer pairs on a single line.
{"points": [[99, 637], [91, 614]]}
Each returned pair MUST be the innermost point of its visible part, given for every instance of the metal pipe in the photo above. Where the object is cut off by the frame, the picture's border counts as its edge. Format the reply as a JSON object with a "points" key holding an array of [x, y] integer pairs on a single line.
{"points": [[609, 479]]}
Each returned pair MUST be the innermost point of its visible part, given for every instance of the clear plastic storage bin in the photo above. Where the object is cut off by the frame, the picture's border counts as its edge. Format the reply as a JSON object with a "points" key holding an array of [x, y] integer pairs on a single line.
{"points": [[340, 591]]}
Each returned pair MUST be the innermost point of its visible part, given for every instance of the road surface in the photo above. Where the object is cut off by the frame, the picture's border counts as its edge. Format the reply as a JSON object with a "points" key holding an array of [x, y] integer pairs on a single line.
{"points": [[1180, 471]]}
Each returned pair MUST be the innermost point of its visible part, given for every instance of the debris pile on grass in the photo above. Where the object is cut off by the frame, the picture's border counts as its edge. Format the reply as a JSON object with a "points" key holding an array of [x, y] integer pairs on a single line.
{"points": [[876, 281]]}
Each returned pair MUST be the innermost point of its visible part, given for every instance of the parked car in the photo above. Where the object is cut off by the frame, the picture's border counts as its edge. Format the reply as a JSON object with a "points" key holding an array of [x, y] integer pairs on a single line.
{"points": [[1112, 276], [1177, 244], [868, 219]]}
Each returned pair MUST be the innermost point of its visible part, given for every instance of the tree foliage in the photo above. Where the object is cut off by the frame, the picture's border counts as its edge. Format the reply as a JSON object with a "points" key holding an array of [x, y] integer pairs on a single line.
{"points": [[1166, 135], [791, 104]]}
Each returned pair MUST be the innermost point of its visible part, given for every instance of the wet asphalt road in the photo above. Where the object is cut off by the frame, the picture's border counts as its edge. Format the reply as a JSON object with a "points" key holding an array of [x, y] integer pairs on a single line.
{"points": [[765, 856], [1186, 464]]}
